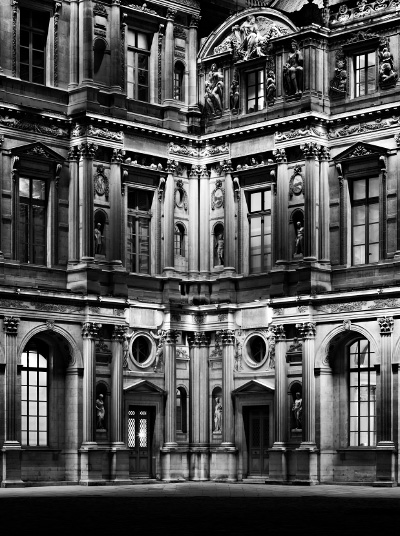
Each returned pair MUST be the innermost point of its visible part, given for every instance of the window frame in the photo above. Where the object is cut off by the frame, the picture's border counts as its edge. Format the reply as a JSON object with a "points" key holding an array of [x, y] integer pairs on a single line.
{"points": [[263, 213], [43, 10], [138, 215], [370, 368], [256, 85], [26, 370], [179, 248], [135, 50], [357, 55]]}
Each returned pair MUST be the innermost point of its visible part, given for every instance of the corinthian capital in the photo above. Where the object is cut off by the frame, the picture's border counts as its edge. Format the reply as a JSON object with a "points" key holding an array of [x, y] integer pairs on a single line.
{"points": [[10, 325], [307, 330], [119, 333], [310, 150], [280, 156], [225, 336], [386, 325], [278, 332], [90, 330], [169, 336]]}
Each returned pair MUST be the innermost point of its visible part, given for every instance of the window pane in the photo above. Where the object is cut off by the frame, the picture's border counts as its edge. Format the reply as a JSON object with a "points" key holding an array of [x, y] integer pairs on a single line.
{"points": [[38, 58], [24, 393], [24, 55], [38, 189], [267, 199], [142, 41], [42, 424], [255, 201], [374, 233], [32, 423], [359, 191], [38, 75], [24, 438], [42, 393], [33, 439], [374, 253], [373, 213], [38, 41], [252, 79], [359, 255], [24, 408], [33, 378], [40, 20], [373, 185], [43, 409], [358, 215], [42, 361], [23, 187], [42, 438]]}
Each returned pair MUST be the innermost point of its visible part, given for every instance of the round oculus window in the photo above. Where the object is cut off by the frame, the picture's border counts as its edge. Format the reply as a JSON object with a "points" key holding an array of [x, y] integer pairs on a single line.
{"points": [[256, 350], [141, 350]]}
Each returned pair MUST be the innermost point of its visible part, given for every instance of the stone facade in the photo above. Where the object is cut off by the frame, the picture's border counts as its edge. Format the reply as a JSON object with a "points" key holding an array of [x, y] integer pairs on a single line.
{"points": [[200, 241]]}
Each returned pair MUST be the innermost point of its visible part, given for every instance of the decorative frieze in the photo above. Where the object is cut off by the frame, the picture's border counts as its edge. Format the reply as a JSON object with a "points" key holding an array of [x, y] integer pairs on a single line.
{"points": [[179, 32], [143, 8], [381, 304], [96, 132], [363, 128], [90, 330], [10, 325], [386, 325], [307, 330], [100, 11], [28, 124], [199, 318], [293, 134], [183, 150], [363, 9]]}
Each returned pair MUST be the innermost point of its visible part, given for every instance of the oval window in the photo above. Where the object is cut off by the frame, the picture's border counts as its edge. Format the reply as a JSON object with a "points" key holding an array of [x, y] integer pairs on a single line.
{"points": [[256, 349], [141, 349]]}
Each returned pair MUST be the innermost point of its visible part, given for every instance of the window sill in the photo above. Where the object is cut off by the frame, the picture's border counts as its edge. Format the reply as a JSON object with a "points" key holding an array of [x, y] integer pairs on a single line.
{"points": [[356, 449], [38, 449]]}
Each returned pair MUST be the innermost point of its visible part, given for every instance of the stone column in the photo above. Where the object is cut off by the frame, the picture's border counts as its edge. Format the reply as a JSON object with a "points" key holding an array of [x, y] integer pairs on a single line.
{"points": [[1, 182], [199, 411], [72, 422], [86, 41], [73, 45], [192, 60], [224, 457], [194, 222], [90, 332], [324, 156], [91, 457], [115, 31], [229, 221], [169, 56], [311, 202], [282, 194], [119, 457], [307, 472], [86, 221], [385, 474], [116, 212], [170, 387], [278, 462], [11, 447], [73, 201], [204, 219], [169, 205]]}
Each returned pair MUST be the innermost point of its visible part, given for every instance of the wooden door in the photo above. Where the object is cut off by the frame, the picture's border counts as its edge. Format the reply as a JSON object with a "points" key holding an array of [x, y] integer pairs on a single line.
{"points": [[139, 441], [258, 441]]}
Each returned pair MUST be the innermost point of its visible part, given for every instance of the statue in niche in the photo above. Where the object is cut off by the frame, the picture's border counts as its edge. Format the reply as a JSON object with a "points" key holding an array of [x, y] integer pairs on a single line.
{"points": [[214, 91], [299, 245], [234, 95], [160, 350], [100, 413], [271, 87], [297, 410], [218, 415], [293, 72], [219, 246], [98, 240]]}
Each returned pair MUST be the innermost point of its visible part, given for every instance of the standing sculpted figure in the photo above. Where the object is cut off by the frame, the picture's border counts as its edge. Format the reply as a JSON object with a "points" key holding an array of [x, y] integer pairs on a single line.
{"points": [[299, 249], [297, 410], [293, 71], [98, 239], [100, 412], [220, 248], [218, 415]]}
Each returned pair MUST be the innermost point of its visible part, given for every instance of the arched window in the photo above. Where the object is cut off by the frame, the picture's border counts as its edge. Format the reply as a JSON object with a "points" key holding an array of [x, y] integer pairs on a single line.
{"points": [[178, 81], [181, 410], [179, 240], [362, 394], [34, 383]]}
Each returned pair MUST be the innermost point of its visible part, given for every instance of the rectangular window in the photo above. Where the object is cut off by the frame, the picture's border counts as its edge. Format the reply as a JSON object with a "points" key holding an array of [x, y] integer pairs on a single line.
{"points": [[260, 231], [139, 217], [138, 56], [32, 220], [365, 220], [364, 74], [255, 91], [32, 50], [362, 386]]}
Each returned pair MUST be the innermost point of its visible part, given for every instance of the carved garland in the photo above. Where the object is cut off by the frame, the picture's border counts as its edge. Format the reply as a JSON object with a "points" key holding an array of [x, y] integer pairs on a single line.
{"points": [[218, 201], [57, 7], [159, 60], [14, 37], [183, 197], [122, 49]]}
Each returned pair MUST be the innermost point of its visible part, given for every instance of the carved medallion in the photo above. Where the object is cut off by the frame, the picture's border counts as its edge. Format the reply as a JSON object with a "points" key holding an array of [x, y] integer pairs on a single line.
{"points": [[296, 182], [217, 195]]}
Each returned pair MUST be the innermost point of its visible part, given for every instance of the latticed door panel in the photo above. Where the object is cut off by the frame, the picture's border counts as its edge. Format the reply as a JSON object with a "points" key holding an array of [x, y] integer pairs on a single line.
{"points": [[258, 441], [139, 441]]}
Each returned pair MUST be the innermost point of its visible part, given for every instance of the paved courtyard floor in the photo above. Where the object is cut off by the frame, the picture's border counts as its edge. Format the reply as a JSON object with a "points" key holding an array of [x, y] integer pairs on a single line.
{"points": [[201, 509]]}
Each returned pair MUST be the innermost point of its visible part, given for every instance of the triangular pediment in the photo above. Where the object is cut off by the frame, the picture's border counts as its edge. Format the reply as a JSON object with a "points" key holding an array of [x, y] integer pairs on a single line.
{"points": [[255, 386], [38, 150], [360, 150], [144, 386]]}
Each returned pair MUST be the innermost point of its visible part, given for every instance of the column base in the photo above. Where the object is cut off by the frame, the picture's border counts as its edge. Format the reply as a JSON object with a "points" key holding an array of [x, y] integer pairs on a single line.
{"points": [[385, 464], [199, 466], [223, 466], [174, 463], [307, 465], [119, 464], [277, 465], [11, 465], [91, 465]]}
